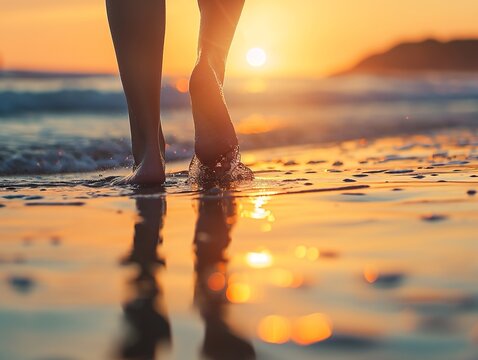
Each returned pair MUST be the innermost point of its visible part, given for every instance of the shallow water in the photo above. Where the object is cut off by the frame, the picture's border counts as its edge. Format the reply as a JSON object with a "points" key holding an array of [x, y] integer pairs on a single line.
{"points": [[298, 263]]}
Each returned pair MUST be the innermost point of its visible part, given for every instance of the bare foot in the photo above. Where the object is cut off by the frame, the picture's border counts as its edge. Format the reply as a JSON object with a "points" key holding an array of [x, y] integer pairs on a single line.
{"points": [[150, 171], [215, 134]]}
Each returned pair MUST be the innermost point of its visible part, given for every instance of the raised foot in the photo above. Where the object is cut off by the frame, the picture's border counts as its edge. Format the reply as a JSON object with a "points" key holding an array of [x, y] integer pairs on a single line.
{"points": [[215, 134]]}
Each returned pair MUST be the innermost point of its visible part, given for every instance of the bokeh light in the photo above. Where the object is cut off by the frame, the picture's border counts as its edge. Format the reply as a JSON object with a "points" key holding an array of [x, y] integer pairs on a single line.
{"points": [[260, 259], [238, 292], [274, 329], [370, 273], [311, 329], [182, 85]]}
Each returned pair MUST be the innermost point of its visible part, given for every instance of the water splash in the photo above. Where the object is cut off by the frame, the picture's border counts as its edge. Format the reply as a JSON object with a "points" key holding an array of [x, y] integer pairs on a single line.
{"points": [[229, 169]]}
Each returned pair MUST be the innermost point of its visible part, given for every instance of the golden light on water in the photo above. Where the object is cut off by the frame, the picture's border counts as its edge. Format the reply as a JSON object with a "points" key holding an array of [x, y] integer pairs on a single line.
{"points": [[255, 85], [311, 329], [310, 253], [259, 260], [285, 278], [370, 273], [258, 212], [238, 292], [300, 251], [274, 329], [256, 57], [216, 281], [258, 124], [182, 85]]}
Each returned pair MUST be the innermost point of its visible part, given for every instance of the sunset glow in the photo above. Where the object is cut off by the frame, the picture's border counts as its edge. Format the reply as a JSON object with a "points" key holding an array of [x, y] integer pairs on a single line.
{"points": [[256, 57], [315, 38]]}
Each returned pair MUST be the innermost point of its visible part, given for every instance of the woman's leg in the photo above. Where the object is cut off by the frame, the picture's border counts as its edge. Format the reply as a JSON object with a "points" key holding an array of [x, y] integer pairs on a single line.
{"points": [[137, 28], [215, 134]]}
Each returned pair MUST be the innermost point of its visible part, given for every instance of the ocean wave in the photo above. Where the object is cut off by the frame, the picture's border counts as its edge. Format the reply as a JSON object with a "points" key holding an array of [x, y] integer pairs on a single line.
{"points": [[81, 155], [77, 101], [85, 95]]}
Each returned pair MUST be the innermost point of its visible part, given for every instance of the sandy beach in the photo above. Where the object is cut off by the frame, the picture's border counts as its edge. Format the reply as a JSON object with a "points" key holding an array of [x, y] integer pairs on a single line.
{"points": [[357, 250]]}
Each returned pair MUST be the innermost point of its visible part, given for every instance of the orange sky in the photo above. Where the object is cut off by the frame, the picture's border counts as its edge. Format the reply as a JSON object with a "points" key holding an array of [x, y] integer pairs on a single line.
{"points": [[313, 39]]}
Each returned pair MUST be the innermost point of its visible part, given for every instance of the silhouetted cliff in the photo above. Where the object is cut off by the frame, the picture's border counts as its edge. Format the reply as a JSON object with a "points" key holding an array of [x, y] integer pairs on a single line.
{"points": [[428, 55]]}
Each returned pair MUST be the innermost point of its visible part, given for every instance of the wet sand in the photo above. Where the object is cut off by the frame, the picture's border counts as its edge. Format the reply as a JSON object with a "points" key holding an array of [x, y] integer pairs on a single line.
{"points": [[358, 250]]}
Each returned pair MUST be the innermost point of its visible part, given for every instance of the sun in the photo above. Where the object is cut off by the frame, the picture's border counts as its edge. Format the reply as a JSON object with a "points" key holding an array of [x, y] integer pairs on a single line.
{"points": [[256, 57]]}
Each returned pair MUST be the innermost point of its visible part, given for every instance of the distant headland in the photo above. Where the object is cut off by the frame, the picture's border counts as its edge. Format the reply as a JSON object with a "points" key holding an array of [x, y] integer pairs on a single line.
{"points": [[459, 55]]}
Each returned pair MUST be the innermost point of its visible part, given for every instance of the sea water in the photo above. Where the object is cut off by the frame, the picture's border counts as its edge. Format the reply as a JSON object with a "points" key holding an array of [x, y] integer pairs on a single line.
{"points": [[60, 123]]}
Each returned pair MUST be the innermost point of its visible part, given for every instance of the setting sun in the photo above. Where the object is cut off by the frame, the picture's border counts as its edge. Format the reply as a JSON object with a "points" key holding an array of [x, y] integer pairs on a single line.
{"points": [[256, 57]]}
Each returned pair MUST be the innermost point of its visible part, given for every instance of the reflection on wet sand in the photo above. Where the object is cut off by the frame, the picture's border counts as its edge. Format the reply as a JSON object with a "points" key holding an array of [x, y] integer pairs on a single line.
{"points": [[216, 217], [148, 325], [145, 313]]}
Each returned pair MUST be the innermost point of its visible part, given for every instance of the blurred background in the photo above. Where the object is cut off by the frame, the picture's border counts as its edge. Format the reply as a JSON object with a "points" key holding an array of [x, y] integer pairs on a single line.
{"points": [[298, 72]]}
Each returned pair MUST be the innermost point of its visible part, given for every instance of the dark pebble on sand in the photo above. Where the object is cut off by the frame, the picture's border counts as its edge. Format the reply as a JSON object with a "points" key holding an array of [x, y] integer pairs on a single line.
{"points": [[397, 189], [349, 180], [401, 171], [471, 192], [473, 175], [354, 194], [34, 197], [419, 176], [19, 259], [308, 184], [360, 175], [74, 203], [21, 284], [440, 303], [290, 163], [374, 171], [389, 280], [433, 174], [334, 170], [338, 163], [311, 172], [11, 197], [347, 342], [1, 205], [434, 217], [329, 254], [441, 181], [288, 173], [438, 324], [312, 162]]}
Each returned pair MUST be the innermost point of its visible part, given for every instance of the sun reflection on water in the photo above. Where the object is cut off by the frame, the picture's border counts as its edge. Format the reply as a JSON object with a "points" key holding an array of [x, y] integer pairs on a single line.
{"points": [[274, 329], [285, 278], [258, 260], [238, 292], [259, 212], [311, 329], [370, 273], [305, 330]]}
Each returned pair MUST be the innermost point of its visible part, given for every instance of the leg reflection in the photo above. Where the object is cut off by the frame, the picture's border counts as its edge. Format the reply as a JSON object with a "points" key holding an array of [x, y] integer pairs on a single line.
{"points": [[145, 315], [216, 218]]}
